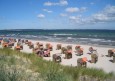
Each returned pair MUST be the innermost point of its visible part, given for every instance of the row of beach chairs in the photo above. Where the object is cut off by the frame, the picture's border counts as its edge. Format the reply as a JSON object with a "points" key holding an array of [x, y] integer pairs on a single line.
{"points": [[39, 50]]}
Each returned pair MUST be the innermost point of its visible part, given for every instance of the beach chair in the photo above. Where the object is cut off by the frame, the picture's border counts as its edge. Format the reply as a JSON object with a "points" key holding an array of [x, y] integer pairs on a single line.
{"points": [[63, 50], [26, 41], [91, 49], [36, 48], [10, 44], [40, 53], [110, 53], [4, 44], [19, 47], [56, 58], [46, 53], [79, 52], [22, 41], [58, 47], [69, 47], [49, 46], [68, 54], [31, 46], [82, 62], [94, 58]]}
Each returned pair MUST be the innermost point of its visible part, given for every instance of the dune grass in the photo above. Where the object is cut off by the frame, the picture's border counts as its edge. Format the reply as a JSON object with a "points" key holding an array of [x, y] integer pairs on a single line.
{"points": [[50, 71]]}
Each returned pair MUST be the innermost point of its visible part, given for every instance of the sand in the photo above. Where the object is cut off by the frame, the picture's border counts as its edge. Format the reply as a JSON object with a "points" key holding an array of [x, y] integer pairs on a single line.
{"points": [[103, 61]]}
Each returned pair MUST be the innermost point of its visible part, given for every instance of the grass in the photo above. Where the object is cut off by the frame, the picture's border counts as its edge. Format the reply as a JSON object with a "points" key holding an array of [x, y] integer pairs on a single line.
{"points": [[49, 71]]}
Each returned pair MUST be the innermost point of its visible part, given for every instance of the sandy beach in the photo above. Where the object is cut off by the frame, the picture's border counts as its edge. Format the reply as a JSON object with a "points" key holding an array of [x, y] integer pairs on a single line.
{"points": [[102, 63]]}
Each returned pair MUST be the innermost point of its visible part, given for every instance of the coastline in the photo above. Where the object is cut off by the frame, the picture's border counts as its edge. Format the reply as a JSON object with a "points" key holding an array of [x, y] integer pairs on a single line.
{"points": [[103, 62]]}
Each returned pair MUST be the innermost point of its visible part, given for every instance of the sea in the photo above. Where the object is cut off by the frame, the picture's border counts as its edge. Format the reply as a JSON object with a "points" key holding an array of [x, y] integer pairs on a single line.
{"points": [[70, 36]]}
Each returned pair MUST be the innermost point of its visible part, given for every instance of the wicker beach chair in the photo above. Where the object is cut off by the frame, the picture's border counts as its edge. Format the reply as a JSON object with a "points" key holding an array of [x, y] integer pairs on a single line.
{"points": [[4, 44], [79, 50], [110, 53], [49, 46], [91, 49], [81, 62], [56, 58], [68, 54], [94, 58], [19, 47], [26, 41], [46, 53], [63, 50], [69, 47], [31, 46]]}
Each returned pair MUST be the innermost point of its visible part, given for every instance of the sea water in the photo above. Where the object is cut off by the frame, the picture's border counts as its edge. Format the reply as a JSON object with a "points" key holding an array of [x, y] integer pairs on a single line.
{"points": [[75, 36]]}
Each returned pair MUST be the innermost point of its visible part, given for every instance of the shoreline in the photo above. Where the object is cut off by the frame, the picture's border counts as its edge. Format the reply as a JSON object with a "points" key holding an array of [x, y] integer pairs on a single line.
{"points": [[95, 45]]}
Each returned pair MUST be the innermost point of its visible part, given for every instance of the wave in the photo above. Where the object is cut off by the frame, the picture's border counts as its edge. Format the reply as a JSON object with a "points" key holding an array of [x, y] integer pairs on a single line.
{"points": [[62, 34]]}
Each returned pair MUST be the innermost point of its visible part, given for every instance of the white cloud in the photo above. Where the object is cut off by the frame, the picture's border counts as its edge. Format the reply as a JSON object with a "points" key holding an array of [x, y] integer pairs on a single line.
{"points": [[72, 9], [60, 3], [72, 17], [63, 15], [76, 19], [63, 2], [46, 10], [75, 9], [48, 4], [106, 15], [41, 16]]}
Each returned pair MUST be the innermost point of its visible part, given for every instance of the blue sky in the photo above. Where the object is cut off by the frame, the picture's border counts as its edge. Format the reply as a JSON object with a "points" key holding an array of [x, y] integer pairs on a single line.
{"points": [[57, 14]]}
